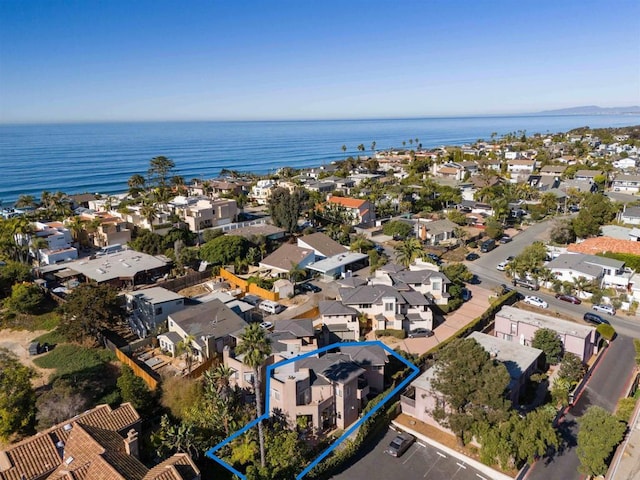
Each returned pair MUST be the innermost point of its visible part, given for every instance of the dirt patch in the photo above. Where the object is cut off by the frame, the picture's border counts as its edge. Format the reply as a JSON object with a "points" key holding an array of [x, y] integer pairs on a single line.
{"points": [[194, 291], [17, 341]]}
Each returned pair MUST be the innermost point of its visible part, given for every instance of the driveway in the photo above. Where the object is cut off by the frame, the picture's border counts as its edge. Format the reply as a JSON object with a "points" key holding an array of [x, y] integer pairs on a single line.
{"points": [[420, 461], [607, 384], [464, 315]]}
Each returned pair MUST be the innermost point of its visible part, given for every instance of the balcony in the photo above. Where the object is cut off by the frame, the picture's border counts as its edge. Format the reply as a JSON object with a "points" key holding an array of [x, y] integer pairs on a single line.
{"points": [[408, 401], [363, 388]]}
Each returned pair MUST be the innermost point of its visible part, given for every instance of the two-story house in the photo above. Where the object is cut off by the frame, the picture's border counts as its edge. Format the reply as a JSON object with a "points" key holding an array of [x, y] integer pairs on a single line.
{"points": [[111, 230], [435, 232], [328, 391], [207, 327], [626, 183], [360, 211], [388, 307], [519, 326], [59, 243], [202, 213], [520, 168], [341, 321], [608, 272], [148, 309]]}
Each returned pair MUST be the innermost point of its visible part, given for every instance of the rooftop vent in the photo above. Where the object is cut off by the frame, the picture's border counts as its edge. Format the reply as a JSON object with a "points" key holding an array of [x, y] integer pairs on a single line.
{"points": [[68, 460], [67, 427]]}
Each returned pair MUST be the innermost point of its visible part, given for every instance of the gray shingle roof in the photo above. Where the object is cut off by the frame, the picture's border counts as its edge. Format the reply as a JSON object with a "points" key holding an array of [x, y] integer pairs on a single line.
{"points": [[322, 243], [285, 257], [333, 307], [213, 318]]}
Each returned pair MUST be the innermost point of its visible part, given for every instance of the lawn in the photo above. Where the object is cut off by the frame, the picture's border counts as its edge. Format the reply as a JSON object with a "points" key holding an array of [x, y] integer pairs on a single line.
{"points": [[52, 338], [71, 359]]}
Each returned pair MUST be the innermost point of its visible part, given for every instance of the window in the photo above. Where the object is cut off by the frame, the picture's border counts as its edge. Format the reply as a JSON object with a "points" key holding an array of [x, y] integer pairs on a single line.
{"points": [[388, 306], [508, 337], [275, 394], [170, 323], [347, 391], [435, 285], [365, 305], [248, 378], [514, 328], [338, 391], [158, 310]]}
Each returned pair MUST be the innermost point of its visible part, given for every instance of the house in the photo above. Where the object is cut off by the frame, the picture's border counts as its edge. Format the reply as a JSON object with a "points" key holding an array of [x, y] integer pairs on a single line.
{"points": [[289, 338], [327, 391], [340, 265], [135, 215], [341, 322], [261, 191], [148, 309], [630, 215], [202, 213], [587, 175], [579, 186], [360, 211], [519, 326], [435, 232], [626, 183], [552, 170], [111, 230], [210, 326], [430, 282], [521, 361], [607, 271], [99, 443], [389, 308], [543, 183], [121, 268], [452, 171], [625, 163], [322, 245], [59, 243], [520, 168], [281, 261]]}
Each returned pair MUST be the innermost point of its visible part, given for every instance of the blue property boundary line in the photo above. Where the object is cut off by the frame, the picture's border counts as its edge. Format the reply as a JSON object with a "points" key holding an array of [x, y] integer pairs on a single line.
{"points": [[414, 373]]}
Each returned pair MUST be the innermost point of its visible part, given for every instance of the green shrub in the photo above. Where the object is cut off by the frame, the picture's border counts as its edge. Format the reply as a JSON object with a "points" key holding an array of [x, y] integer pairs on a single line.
{"points": [[606, 331], [625, 408], [390, 332], [71, 359]]}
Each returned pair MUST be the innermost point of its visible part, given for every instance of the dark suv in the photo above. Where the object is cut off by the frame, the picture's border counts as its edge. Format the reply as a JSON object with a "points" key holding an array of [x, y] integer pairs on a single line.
{"points": [[594, 318]]}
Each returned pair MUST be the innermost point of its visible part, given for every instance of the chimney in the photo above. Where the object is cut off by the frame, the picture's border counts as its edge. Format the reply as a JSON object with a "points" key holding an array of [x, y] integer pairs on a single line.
{"points": [[131, 443]]}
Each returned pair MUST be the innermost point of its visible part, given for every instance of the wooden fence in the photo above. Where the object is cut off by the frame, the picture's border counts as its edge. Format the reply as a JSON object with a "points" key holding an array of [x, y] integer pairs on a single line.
{"points": [[203, 367], [149, 379], [177, 284], [246, 287]]}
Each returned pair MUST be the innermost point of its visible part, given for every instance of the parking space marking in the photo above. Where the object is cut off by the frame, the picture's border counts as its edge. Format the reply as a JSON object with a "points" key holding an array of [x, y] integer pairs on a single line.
{"points": [[461, 465], [422, 445], [480, 476], [409, 457], [441, 454]]}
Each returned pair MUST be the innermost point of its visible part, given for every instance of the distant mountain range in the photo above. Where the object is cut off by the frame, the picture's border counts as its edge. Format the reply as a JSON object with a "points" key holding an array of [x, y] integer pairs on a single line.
{"points": [[592, 110]]}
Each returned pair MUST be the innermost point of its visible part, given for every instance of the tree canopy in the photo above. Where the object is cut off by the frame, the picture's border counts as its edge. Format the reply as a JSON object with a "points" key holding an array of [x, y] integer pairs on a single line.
{"points": [[224, 250], [472, 385], [17, 397], [550, 343], [595, 210], [286, 207], [599, 434], [89, 310], [397, 228]]}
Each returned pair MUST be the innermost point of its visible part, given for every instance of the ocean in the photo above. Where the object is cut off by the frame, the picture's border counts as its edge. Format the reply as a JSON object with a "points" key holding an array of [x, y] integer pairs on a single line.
{"points": [[100, 157]]}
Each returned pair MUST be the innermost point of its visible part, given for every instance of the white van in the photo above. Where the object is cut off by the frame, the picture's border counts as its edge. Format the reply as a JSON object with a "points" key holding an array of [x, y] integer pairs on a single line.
{"points": [[271, 307]]}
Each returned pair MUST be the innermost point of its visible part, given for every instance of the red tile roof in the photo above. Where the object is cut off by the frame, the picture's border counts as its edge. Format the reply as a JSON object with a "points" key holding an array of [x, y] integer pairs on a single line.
{"points": [[347, 202], [595, 245]]}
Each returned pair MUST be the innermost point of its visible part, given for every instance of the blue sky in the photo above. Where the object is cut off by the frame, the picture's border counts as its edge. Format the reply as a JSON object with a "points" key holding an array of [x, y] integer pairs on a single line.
{"points": [[87, 60]]}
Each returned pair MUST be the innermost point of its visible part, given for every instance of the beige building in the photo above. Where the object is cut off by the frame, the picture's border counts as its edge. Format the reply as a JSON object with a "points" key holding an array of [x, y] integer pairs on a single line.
{"points": [[202, 213]]}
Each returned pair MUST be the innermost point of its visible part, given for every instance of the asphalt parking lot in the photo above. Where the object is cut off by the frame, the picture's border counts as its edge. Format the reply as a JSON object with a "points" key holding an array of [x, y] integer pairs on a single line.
{"points": [[419, 462]]}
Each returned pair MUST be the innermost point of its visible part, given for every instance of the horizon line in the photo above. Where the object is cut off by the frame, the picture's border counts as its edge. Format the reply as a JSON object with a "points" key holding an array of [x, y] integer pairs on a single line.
{"points": [[547, 113]]}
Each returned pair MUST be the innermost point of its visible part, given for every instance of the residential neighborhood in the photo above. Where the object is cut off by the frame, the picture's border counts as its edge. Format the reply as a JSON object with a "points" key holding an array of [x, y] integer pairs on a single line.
{"points": [[505, 274]]}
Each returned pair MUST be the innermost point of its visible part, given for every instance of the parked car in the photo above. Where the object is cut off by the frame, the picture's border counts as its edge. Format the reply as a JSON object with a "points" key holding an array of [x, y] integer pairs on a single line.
{"points": [[434, 258], [309, 287], [502, 266], [472, 256], [252, 300], [595, 319], [466, 294], [604, 308], [510, 257], [505, 239], [271, 307], [569, 298], [526, 283], [420, 332], [487, 245], [266, 325], [400, 444], [379, 249], [535, 301]]}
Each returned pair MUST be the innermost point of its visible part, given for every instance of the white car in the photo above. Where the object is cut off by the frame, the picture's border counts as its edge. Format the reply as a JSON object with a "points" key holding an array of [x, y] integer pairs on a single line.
{"points": [[605, 309], [266, 325], [502, 266], [535, 301]]}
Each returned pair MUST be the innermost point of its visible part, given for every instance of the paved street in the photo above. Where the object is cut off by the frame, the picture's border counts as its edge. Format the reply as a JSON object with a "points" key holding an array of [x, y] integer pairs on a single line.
{"points": [[417, 463], [485, 268], [604, 388]]}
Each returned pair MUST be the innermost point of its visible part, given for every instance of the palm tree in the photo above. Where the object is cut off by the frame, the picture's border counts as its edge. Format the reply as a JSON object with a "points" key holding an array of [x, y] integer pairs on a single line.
{"points": [[360, 242], [344, 148], [256, 347], [408, 251], [186, 346], [136, 184], [219, 378], [461, 234], [373, 146], [581, 284], [149, 212], [76, 225], [26, 201], [296, 273]]}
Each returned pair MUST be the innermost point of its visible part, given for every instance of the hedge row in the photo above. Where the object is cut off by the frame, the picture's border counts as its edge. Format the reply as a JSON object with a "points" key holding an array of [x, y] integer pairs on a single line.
{"points": [[630, 260], [390, 332]]}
